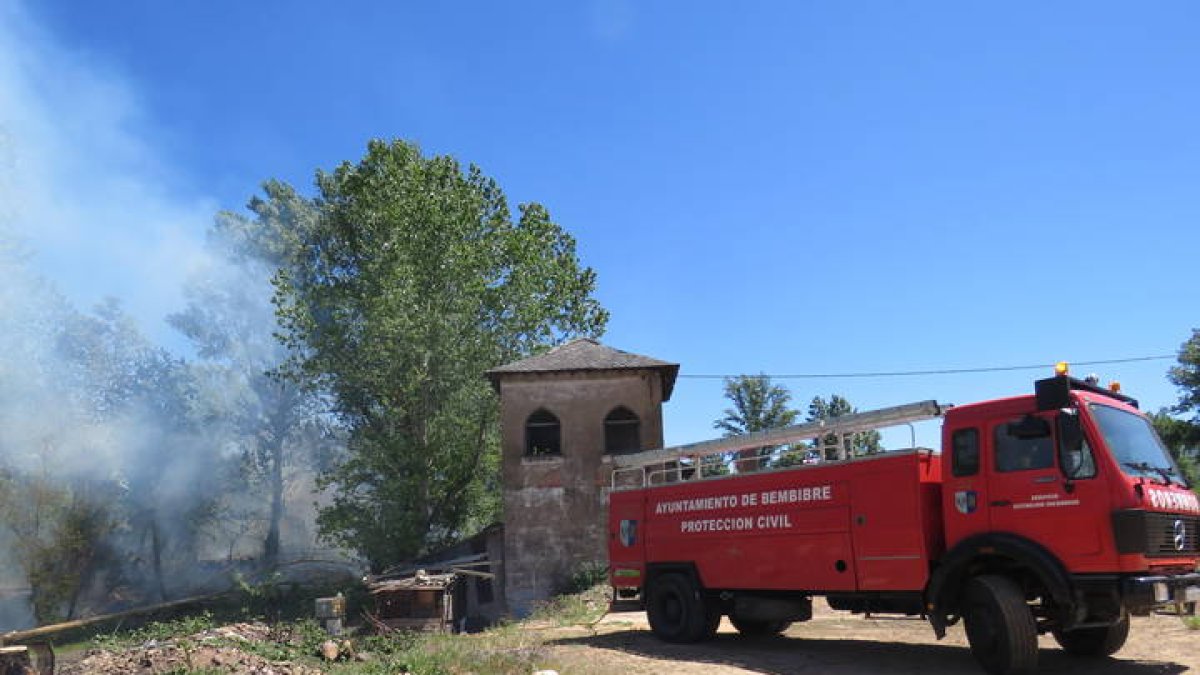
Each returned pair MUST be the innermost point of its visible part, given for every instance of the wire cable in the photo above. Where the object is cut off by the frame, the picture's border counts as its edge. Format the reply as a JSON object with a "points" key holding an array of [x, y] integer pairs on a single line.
{"points": [[914, 373]]}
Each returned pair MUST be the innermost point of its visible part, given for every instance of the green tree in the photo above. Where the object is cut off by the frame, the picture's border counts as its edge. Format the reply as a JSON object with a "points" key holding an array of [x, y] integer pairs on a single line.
{"points": [[861, 443], [60, 534], [1182, 439], [99, 454], [414, 281], [758, 405], [119, 380], [44, 536], [1186, 376], [277, 426], [1182, 436]]}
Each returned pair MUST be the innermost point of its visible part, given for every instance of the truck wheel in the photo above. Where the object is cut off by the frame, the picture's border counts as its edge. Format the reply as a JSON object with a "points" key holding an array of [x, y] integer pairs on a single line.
{"points": [[677, 610], [754, 628], [1000, 627], [1103, 641]]}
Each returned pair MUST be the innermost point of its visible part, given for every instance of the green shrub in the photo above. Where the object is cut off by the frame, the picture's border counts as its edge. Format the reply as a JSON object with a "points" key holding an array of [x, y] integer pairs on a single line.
{"points": [[576, 608], [158, 631], [585, 577]]}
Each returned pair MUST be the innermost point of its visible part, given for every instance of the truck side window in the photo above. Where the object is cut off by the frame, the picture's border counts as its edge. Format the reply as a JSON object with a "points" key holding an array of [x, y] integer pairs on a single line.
{"points": [[965, 458], [1074, 454], [1079, 464], [1016, 449]]}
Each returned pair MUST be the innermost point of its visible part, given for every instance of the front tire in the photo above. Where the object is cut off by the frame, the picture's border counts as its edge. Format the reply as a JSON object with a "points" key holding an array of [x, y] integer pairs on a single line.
{"points": [[1000, 627], [677, 610], [1097, 642]]}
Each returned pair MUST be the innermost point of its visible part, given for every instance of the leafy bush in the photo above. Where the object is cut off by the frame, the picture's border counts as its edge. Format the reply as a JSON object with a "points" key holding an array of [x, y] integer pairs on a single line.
{"points": [[585, 576], [269, 597], [575, 609], [158, 631]]}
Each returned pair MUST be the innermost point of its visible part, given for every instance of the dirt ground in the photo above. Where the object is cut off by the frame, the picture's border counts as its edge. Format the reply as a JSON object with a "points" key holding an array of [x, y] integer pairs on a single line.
{"points": [[622, 644], [195, 653], [838, 642]]}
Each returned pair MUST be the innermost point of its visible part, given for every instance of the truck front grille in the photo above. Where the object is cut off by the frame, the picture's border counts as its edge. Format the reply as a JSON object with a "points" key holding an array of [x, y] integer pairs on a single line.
{"points": [[1156, 534], [1169, 534]]}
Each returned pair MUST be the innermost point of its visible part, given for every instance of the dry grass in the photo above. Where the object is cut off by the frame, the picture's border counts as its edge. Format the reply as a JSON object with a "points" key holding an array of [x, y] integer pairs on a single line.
{"points": [[506, 648]]}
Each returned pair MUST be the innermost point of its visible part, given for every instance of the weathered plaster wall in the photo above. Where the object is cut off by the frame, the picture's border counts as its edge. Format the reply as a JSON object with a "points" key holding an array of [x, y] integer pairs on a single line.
{"points": [[555, 508]]}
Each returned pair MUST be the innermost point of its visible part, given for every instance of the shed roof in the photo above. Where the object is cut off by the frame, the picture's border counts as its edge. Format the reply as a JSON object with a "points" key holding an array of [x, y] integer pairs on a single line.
{"points": [[417, 582], [586, 354]]}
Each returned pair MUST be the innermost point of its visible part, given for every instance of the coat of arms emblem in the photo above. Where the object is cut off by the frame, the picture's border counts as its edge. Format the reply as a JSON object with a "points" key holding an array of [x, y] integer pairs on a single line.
{"points": [[965, 501]]}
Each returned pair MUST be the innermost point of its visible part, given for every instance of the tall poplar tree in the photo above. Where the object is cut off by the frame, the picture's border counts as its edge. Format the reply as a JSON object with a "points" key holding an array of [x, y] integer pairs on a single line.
{"points": [[414, 281]]}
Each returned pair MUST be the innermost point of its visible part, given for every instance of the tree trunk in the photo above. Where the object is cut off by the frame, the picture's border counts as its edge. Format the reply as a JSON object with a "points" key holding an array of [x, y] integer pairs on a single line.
{"points": [[272, 545], [156, 550], [284, 400], [74, 600]]}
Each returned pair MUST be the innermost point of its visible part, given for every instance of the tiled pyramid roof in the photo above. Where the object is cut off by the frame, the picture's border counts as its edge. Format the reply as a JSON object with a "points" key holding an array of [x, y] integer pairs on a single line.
{"points": [[586, 354]]}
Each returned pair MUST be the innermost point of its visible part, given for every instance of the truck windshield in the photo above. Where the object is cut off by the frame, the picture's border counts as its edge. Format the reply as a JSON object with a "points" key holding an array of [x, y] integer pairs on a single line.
{"points": [[1135, 445]]}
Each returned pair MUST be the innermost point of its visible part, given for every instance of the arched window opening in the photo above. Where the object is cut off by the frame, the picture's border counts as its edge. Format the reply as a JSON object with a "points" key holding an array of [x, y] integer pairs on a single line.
{"points": [[622, 432], [543, 434]]}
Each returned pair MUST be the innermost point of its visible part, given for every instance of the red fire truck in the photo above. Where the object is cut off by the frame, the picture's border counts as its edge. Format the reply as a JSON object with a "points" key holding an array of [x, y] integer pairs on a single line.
{"points": [[1055, 512]]}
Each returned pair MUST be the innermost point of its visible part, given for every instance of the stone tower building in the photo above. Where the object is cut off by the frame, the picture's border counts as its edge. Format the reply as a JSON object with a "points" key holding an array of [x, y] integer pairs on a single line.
{"points": [[561, 414]]}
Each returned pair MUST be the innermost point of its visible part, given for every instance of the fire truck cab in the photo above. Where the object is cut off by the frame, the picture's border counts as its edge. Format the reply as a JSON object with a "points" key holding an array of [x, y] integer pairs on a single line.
{"points": [[1057, 512]]}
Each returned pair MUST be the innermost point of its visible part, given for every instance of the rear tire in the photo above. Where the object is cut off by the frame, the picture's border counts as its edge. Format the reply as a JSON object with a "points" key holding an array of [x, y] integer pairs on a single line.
{"points": [[1000, 627], [677, 610], [752, 628], [1103, 641]]}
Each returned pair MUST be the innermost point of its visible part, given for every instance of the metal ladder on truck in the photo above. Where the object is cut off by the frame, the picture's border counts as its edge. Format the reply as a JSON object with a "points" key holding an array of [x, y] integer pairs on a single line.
{"points": [[684, 462]]}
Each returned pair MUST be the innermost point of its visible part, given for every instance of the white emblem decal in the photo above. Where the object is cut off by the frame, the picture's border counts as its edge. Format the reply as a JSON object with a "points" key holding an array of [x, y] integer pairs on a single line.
{"points": [[965, 501]]}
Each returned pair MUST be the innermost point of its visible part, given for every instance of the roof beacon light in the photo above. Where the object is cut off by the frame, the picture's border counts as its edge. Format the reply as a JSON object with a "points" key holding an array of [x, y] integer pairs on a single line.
{"points": [[1060, 368], [1114, 387]]}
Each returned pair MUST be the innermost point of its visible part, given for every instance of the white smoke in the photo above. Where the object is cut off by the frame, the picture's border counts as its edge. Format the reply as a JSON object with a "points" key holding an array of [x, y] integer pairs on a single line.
{"points": [[88, 414], [87, 212], [80, 182]]}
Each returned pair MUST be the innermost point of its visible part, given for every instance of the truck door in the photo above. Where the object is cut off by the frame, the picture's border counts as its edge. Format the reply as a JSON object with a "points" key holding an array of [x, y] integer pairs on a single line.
{"points": [[965, 494], [627, 538], [1028, 494]]}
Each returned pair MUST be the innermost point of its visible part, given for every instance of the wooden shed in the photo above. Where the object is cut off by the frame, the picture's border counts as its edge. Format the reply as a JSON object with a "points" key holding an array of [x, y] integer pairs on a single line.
{"points": [[422, 602]]}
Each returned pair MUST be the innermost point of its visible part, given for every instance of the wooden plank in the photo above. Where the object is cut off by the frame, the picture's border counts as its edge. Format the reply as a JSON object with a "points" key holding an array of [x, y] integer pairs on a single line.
{"points": [[34, 634]]}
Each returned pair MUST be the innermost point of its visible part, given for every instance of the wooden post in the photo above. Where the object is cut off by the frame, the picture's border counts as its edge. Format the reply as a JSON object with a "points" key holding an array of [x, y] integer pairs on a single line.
{"points": [[16, 661]]}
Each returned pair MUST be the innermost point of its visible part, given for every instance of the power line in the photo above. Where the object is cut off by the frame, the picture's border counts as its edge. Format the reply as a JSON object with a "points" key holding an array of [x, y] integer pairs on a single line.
{"points": [[943, 371]]}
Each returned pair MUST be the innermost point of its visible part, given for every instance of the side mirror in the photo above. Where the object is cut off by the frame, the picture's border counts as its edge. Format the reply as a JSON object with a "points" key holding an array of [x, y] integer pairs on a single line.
{"points": [[1070, 431], [1074, 458]]}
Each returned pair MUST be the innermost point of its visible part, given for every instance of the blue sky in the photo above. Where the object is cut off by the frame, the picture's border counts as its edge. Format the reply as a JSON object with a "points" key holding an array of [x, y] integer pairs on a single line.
{"points": [[788, 187]]}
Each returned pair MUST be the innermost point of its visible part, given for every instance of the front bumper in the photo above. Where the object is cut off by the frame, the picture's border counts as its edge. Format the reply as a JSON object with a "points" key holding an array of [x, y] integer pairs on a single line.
{"points": [[1141, 594]]}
